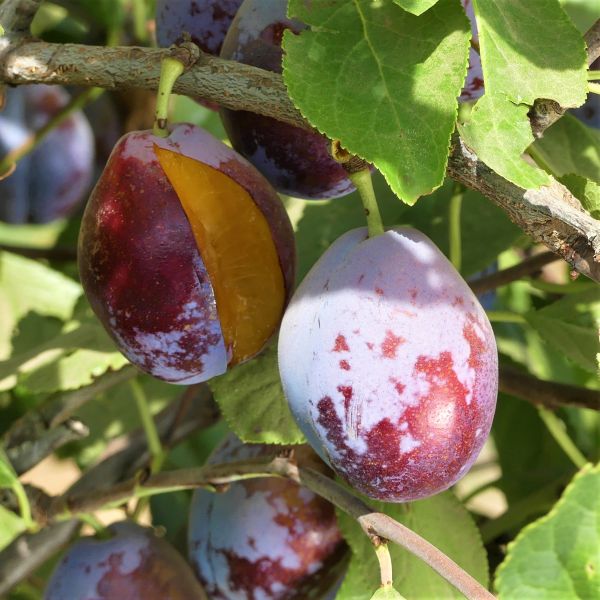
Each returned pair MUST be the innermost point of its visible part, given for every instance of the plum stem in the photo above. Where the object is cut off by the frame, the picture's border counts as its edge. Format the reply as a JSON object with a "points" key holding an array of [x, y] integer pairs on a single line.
{"points": [[593, 75], [557, 430], [8, 162], [455, 225], [170, 70], [364, 184], [385, 564]]}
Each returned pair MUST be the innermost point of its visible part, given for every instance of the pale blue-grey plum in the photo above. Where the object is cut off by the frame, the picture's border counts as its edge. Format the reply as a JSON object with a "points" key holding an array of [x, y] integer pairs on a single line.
{"points": [[389, 364], [263, 538], [51, 182], [133, 564], [296, 162]]}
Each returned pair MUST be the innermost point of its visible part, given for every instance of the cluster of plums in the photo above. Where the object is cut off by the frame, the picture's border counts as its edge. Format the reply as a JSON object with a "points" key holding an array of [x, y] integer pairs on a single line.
{"points": [[261, 539], [187, 256]]}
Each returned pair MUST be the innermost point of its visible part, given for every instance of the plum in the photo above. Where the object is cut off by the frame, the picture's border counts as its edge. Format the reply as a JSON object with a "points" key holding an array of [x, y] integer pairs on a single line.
{"points": [[186, 254], [51, 182], [389, 365], [298, 163], [207, 22], [263, 538], [473, 88], [131, 565]]}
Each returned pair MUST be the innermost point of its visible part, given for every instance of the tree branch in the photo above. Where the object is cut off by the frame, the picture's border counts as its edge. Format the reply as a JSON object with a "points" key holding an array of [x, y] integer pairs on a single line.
{"points": [[546, 393], [529, 266], [375, 525], [551, 215], [592, 40]]}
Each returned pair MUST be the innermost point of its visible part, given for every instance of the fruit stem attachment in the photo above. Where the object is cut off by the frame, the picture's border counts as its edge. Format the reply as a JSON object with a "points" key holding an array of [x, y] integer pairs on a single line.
{"points": [[170, 70], [359, 173], [364, 184], [593, 75], [454, 225], [385, 564]]}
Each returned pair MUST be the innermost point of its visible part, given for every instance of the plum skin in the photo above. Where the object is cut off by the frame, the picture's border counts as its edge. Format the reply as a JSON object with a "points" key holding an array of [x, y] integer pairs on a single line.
{"points": [[132, 564], [389, 365], [298, 163], [262, 538], [207, 22], [139, 263], [51, 182]]}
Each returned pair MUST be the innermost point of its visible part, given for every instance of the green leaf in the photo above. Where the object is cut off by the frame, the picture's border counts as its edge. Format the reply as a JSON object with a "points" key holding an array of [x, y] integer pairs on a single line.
{"points": [[252, 401], [11, 525], [515, 37], [530, 459], [392, 118], [571, 324], [8, 477], [557, 555], [387, 593], [416, 7], [441, 520], [588, 192], [499, 131], [583, 13], [29, 286], [570, 147]]}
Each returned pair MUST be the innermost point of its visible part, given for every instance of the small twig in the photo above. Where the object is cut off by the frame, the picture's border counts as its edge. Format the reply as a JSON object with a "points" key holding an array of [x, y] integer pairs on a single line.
{"points": [[549, 394], [529, 267]]}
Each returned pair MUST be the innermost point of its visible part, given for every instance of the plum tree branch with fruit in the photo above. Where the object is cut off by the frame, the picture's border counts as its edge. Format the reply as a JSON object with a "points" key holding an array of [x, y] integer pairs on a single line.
{"points": [[551, 214]]}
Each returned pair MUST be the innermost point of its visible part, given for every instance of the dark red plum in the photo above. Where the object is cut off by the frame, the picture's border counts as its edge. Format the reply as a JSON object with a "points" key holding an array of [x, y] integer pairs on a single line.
{"points": [[51, 182], [131, 565], [296, 162], [186, 254], [389, 364], [207, 22], [263, 538]]}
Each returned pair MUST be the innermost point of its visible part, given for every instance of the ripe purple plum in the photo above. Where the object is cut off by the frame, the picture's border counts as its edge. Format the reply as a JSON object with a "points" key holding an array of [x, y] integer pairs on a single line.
{"points": [[131, 565], [473, 88], [207, 22], [298, 163], [389, 365], [51, 182], [186, 254], [263, 538]]}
